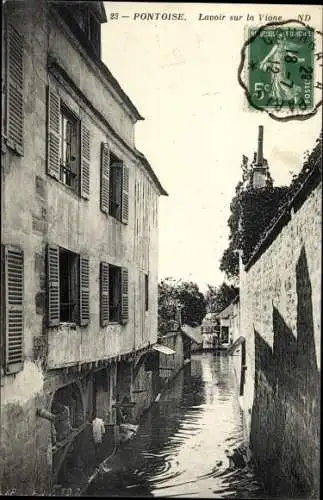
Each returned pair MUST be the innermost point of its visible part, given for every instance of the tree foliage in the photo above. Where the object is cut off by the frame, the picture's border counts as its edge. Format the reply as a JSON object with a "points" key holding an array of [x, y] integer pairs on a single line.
{"points": [[310, 161], [178, 294], [251, 211], [218, 298]]}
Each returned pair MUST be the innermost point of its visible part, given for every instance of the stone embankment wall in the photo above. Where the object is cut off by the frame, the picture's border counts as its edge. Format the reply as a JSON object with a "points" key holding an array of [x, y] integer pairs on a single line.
{"points": [[280, 297]]}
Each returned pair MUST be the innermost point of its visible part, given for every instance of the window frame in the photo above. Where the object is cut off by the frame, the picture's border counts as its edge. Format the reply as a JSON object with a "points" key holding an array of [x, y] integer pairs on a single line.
{"points": [[115, 187], [81, 284], [73, 285], [74, 168], [55, 103], [114, 273]]}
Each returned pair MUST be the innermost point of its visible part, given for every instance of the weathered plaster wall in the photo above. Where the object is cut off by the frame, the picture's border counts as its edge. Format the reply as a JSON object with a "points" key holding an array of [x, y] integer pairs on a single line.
{"points": [[25, 447], [88, 78], [142, 390], [37, 210], [170, 364], [281, 318]]}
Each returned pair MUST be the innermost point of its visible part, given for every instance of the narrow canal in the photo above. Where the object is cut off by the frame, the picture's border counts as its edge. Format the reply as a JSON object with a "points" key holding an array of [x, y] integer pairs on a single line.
{"points": [[180, 448]]}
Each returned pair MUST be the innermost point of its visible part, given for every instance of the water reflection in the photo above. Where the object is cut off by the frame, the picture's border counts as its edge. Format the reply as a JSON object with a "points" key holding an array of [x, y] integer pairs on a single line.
{"points": [[180, 448]]}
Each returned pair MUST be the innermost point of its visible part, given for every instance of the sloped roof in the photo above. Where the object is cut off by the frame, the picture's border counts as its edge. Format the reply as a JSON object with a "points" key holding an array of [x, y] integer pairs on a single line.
{"points": [[209, 317], [225, 313], [193, 333]]}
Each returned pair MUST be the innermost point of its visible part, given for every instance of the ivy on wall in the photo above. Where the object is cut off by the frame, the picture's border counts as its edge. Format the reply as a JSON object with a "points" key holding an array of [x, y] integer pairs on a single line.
{"points": [[253, 211], [258, 208]]}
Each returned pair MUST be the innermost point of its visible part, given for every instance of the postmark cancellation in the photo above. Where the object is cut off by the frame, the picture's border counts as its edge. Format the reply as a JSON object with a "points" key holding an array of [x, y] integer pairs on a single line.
{"points": [[281, 69]]}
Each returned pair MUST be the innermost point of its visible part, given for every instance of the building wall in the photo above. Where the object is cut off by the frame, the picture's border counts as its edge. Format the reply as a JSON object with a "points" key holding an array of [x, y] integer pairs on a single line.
{"points": [[142, 391], [37, 210], [88, 78], [49, 213], [25, 445], [234, 329], [281, 319], [170, 364]]}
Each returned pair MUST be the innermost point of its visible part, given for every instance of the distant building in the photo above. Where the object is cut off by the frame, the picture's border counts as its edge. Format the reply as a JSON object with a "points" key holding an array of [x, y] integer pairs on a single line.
{"points": [[210, 330], [229, 320]]}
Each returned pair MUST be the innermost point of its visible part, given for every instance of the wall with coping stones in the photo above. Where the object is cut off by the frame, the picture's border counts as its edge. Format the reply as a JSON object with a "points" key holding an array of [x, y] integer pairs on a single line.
{"points": [[281, 320]]}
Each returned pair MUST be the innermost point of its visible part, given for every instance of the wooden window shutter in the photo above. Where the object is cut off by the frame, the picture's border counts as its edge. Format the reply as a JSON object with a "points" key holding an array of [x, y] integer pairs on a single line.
{"points": [[105, 176], [53, 139], [124, 295], [125, 194], [85, 161], [104, 294], [84, 290], [53, 291], [14, 315], [15, 90]]}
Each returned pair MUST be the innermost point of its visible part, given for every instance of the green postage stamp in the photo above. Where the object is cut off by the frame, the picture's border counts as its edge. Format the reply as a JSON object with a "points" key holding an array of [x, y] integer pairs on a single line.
{"points": [[280, 69]]}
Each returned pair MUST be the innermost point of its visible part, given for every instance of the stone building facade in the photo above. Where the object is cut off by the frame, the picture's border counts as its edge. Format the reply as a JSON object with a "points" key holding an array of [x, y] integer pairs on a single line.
{"points": [[80, 238]]}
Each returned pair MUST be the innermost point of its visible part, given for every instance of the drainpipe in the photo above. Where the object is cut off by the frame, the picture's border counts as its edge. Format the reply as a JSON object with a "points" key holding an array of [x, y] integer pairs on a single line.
{"points": [[179, 314]]}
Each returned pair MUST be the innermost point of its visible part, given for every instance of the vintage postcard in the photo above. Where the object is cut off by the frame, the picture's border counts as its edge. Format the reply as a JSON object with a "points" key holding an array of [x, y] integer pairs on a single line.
{"points": [[161, 194]]}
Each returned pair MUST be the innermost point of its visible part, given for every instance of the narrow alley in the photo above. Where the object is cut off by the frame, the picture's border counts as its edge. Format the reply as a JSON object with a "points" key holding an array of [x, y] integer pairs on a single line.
{"points": [[197, 416]]}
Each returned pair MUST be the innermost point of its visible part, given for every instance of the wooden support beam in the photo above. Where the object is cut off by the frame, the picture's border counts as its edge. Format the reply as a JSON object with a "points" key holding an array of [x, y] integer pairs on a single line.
{"points": [[129, 404]]}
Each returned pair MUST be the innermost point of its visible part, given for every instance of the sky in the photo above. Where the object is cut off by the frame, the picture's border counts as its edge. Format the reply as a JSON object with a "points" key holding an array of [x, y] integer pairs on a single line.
{"points": [[182, 77]]}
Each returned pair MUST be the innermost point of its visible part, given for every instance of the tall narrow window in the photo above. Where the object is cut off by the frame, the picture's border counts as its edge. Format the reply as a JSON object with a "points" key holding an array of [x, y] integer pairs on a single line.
{"points": [[115, 196], [114, 293], [68, 287], [69, 132], [69, 146], [68, 266], [243, 367], [94, 34]]}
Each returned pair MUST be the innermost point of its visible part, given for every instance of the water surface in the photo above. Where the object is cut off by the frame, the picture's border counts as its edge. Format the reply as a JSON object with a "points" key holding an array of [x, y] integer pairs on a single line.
{"points": [[180, 447]]}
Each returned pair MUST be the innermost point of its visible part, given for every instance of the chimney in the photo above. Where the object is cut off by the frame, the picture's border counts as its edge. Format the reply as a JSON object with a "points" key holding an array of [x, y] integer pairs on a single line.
{"points": [[179, 314], [260, 168], [260, 155]]}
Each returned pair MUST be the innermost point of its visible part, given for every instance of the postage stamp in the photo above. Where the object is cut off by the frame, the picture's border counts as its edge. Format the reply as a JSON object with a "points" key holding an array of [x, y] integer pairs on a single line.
{"points": [[281, 67]]}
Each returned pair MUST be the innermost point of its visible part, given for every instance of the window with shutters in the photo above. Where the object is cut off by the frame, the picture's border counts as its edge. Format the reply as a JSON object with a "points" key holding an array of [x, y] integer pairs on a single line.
{"points": [[104, 293], [115, 195], [68, 287], [69, 148], [118, 294], [14, 89], [114, 293], [91, 27], [13, 286]]}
